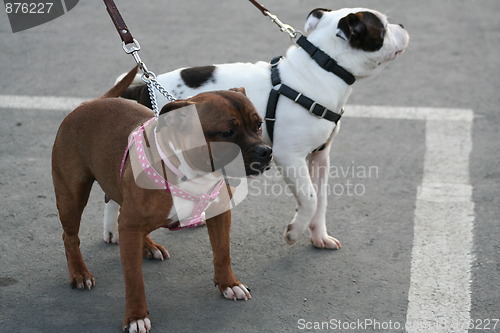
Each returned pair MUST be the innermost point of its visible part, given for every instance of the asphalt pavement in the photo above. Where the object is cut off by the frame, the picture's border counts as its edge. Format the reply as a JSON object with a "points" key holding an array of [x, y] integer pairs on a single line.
{"points": [[451, 68]]}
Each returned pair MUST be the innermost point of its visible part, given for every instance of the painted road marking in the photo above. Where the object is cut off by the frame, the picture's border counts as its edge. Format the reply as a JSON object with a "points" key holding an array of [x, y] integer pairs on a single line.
{"points": [[439, 298], [440, 293], [40, 102]]}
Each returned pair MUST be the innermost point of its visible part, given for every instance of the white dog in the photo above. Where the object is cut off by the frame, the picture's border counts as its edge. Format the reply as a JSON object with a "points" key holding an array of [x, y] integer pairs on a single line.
{"points": [[314, 81]]}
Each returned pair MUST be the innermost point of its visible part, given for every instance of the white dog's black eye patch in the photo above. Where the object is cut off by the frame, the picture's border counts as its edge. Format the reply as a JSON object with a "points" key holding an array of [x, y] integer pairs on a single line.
{"points": [[195, 77], [363, 30]]}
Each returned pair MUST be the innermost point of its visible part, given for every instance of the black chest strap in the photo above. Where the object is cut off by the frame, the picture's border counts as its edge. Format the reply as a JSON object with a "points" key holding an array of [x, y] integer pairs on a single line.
{"points": [[279, 88]]}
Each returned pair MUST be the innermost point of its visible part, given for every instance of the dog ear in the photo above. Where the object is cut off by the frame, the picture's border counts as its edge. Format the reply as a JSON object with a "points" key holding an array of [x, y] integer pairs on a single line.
{"points": [[313, 19], [240, 90], [175, 105], [351, 27]]}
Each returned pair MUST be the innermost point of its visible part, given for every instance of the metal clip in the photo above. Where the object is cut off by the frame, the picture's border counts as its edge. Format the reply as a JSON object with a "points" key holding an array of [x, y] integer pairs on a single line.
{"points": [[283, 26], [297, 35], [131, 47]]}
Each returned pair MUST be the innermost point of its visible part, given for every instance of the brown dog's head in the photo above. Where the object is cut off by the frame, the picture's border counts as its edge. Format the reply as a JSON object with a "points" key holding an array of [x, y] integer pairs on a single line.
{"points": [[226, 117]]}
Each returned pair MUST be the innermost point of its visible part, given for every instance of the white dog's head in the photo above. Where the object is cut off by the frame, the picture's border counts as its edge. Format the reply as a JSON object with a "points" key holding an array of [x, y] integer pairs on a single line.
{"points": [[361, 40]]}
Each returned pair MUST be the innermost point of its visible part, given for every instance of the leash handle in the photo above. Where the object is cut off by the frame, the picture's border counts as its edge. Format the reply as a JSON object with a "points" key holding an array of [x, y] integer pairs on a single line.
{"points": [[118, 21]]}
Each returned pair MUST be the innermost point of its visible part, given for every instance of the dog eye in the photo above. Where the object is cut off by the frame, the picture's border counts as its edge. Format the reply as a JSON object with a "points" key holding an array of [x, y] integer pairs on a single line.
{"points": [[227, 134], [259, 125]]}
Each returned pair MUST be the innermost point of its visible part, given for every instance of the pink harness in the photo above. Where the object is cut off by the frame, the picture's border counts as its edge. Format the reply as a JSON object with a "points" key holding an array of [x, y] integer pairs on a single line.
{"points": [[202, 201]]}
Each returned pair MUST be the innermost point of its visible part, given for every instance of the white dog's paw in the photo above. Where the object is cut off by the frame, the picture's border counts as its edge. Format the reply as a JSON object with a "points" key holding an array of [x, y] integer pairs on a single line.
{"points": [[237, 292], [326, 242], [292, 234], [110, 222], [139, 326], [111, 237]]}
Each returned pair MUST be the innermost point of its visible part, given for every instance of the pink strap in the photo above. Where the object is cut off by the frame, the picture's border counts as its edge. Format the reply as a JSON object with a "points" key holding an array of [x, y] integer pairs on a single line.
{"points": [[166, 160], [131, 141], [202, 201], [198, 217]]}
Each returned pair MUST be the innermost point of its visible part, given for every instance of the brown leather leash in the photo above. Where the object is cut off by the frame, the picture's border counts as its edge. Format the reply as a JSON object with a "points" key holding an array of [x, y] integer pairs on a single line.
{"points": [[117, 19], [260, 7], [131, 46], [274, 18]]}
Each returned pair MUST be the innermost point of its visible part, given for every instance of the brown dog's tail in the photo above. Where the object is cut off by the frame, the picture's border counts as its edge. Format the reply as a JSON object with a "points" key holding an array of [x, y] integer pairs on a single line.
{"points": [[121, 86]]}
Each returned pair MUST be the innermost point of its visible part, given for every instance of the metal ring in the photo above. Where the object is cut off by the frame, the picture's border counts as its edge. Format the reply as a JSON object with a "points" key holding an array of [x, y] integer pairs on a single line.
{"points": [[296, 35], [148, 76], [134, 46]]}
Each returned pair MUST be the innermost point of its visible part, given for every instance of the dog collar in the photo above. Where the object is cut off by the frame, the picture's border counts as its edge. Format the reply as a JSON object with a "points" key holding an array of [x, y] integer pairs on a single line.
{"points": [[201, 201], [325, 61]]}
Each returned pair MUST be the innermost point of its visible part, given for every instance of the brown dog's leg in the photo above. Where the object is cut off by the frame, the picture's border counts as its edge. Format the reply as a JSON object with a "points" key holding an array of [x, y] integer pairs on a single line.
{"points": [[71, 199], [219, 233], [131, 251]]}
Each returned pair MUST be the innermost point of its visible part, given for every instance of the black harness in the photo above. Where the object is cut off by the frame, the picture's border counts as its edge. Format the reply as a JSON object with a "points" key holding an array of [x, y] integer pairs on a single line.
{"points": [[325, 62]]}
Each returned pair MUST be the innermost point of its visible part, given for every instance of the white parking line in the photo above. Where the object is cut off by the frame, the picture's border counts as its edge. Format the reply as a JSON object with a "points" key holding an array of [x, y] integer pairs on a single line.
{"points": [[439, 297], [40, 102]]}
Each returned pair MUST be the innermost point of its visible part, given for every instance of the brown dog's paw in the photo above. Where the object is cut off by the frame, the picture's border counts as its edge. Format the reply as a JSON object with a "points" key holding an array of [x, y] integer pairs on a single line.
{"points": [[237, 292], [234, 291], [154, 251], [138, 326], [82, 280]]}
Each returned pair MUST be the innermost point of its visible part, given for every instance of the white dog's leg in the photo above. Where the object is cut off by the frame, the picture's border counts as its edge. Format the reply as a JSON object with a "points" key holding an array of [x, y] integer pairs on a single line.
{"points": [[319, 168], [110, 221], [296, 175]]}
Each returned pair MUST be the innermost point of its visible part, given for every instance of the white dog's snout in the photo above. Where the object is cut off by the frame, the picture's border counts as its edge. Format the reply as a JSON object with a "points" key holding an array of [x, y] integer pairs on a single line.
{"points": [[402, 38]]}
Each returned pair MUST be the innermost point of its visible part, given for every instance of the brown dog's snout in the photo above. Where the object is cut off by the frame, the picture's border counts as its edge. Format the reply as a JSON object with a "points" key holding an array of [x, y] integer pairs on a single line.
{"points": [[258, 159], [262, 152]]}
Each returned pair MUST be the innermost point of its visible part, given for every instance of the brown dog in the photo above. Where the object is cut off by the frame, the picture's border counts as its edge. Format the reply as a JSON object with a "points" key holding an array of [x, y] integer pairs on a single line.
{"points": [[89, 147]]}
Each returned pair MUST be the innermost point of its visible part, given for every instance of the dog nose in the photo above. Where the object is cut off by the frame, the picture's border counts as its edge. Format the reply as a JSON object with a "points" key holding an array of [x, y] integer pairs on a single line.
{"points": [[263, 151], [402, 26]]}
